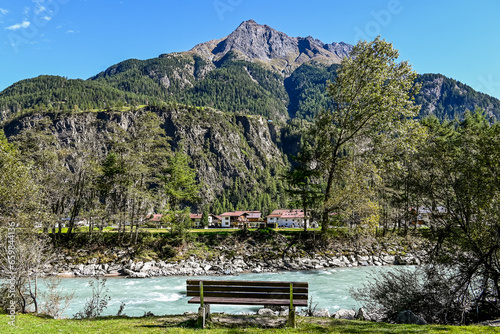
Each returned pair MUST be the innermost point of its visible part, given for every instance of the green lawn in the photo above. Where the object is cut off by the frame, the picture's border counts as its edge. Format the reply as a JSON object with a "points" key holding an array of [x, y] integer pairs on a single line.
{"points": [[221, 324]]}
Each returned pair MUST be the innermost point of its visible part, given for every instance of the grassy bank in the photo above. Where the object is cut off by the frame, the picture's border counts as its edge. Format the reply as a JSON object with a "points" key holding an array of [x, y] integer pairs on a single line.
{"points": [[221, 324]]}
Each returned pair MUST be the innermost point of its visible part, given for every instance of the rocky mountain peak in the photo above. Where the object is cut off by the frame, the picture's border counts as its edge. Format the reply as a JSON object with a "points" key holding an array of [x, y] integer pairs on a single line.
{"points": [[254, 42]]}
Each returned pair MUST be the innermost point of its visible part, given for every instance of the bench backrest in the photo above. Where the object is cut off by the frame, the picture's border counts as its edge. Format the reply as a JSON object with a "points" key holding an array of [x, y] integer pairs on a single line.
{"points": [[269, 290]]}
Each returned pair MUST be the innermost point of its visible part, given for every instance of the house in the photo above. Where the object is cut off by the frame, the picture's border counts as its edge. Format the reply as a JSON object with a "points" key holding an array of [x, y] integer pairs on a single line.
{"points": [[197, 218], [155, 218], [238, 219], [213, 220], [426, 215], [288, 218]]}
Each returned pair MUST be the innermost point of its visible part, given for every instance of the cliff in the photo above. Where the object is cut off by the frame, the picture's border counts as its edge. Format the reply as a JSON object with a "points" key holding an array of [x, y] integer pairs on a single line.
{"points": [[223, 147]]}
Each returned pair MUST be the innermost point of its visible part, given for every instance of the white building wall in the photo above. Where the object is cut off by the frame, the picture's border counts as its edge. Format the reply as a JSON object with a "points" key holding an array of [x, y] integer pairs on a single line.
{"points": [[291, 222], [226, 222]]}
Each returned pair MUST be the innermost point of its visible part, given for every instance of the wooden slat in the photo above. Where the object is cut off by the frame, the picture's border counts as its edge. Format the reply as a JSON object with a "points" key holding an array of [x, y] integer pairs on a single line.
{"points": [[248, 283], [249, 295], [274, 289], [244, 301]]}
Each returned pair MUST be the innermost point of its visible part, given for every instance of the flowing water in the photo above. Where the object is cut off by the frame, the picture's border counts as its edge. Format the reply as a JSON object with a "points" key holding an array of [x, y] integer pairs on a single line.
{"points": [[328, 289]]}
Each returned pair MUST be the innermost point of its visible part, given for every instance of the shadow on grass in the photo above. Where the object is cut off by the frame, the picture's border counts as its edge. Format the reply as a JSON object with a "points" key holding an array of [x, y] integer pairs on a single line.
{"points": [[353, 326]]}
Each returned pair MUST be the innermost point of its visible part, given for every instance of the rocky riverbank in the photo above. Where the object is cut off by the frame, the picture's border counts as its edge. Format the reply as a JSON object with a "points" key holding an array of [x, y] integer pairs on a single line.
{"points": [[235, 256]]}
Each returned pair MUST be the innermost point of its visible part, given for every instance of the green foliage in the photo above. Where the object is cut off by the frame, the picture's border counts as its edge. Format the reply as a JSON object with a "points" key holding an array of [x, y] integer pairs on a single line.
{"points": [[57, 94], [179, 181], [204, 219], [181, 324], [306, 88], [372, 102], [240, 86], [459, 172], [20, 200]]}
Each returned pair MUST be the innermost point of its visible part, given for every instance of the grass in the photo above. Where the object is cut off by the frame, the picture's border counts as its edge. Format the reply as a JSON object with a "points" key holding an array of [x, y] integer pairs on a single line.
{"points": [[221, 324]]}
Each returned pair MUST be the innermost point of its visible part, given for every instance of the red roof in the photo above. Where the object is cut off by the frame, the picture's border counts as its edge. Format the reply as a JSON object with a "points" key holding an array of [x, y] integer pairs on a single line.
{"points": [[248, 214], [195, 215], [155, 217], [284, 213]]}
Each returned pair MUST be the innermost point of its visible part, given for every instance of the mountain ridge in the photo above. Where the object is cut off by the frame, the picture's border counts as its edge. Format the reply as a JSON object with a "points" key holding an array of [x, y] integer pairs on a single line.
{"points": [[253, 70], [263, 43]]}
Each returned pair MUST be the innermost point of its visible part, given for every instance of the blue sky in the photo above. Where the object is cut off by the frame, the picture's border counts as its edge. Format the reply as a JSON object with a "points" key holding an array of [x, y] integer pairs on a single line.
{"points": [[80, 38]]}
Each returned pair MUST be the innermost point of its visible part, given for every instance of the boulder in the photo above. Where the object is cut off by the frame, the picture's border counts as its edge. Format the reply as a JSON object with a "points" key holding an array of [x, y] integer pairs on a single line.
{"points": [[345, 314], [362, 315], [408, 317], [322, 313], [133, 274], [265, 311]]}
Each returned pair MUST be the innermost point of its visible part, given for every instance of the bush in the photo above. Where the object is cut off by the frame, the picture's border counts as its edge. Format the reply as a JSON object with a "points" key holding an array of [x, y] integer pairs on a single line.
{"points": [[430, 292], [55, 302], [97, 303]]}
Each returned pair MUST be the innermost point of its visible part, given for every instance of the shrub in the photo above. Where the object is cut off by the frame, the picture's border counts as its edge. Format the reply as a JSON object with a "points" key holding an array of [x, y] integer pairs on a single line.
{"points": [[97, 303], [432, 292]]}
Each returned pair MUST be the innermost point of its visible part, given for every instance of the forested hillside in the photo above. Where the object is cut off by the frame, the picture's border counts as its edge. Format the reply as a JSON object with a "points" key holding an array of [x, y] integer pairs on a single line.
{"points": [[448, 99], [233, 85], [237, 159], [53, 93]]}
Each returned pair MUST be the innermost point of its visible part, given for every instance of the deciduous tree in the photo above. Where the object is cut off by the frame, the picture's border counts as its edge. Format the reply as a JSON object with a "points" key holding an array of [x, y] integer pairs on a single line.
{"points": [[372, 99]]}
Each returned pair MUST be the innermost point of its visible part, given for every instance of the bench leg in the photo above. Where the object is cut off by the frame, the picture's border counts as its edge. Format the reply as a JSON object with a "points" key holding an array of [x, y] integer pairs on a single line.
{"points": [[291, 317], [203, 315]]}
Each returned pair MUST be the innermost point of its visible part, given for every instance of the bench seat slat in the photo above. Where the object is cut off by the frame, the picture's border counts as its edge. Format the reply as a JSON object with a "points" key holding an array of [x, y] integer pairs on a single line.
{"points": [[246, 301], [246, 295]]}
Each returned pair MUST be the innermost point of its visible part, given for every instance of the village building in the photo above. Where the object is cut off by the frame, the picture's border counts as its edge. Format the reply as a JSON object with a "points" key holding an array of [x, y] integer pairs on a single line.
{"points": [[238, 219], [288, 218], [197, 217]]}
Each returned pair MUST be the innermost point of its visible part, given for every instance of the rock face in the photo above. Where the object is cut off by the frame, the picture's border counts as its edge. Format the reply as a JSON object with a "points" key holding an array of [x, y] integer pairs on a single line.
{"points": [[221, 147], [255, 42]]}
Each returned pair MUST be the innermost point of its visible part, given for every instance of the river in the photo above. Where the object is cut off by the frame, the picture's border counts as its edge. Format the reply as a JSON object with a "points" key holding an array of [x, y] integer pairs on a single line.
{"points": [[329, 289]]}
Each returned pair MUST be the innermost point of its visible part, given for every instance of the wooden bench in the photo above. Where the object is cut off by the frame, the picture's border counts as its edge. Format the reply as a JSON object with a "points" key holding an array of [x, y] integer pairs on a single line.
{"points": [[263, 293]]}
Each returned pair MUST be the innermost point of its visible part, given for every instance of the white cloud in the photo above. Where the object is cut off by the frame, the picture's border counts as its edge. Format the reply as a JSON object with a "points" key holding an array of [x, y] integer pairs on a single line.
{"points": [[39, 9], [47, 18], [3, 11], [70, 32], [25, 24]]}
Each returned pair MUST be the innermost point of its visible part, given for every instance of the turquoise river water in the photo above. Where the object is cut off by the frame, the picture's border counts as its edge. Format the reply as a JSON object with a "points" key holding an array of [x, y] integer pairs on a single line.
{"points": [[329, 288]]}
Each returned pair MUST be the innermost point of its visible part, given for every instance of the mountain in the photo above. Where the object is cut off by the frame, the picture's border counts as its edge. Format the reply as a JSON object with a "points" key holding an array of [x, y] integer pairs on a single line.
{"points": [[448, 98], [260, 43], [234, 103], [255, 70]]}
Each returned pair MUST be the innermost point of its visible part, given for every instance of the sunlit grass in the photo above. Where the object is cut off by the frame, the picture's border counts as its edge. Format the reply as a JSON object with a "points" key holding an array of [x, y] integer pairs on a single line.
{"points": [[224, 324]]}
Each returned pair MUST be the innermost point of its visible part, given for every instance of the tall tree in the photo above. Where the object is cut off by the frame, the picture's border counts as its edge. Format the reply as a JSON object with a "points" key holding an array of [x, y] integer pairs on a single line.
{"points": [[372, 98], [461, 187], [456, 180], [180, 189], [304, 184]]}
